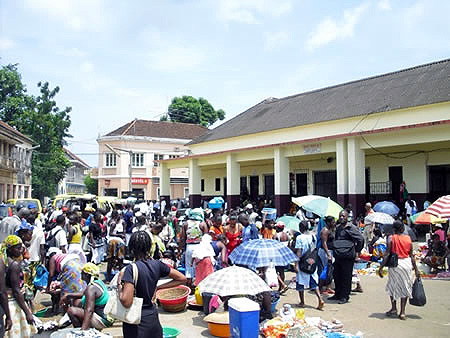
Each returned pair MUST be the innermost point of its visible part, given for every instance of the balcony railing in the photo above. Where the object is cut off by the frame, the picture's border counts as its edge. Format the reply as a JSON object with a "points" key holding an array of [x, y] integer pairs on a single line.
{"points": [[381, 187], [8, 163]]}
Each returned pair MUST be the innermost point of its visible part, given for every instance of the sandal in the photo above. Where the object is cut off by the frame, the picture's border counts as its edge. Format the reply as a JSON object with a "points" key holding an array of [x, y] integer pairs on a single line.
{"points": [[402, 317], [391, 313], [283, 290], [320, 306]]}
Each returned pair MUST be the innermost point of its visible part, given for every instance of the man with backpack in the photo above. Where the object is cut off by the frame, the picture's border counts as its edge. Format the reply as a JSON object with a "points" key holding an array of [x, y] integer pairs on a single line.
{"points": [[56, 236]]}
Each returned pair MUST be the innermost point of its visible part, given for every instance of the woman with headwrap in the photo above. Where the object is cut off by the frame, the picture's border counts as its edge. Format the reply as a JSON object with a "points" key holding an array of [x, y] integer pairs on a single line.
{"points": [[90, 313], [21, 315]]}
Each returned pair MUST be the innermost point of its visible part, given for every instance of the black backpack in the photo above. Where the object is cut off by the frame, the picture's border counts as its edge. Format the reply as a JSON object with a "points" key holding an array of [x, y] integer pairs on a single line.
{"points": [[308, 261], [50, 241]]}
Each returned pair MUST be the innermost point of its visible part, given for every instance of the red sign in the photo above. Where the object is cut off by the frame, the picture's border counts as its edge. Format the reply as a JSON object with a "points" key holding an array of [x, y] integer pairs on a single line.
{"points": [[139, 180]]}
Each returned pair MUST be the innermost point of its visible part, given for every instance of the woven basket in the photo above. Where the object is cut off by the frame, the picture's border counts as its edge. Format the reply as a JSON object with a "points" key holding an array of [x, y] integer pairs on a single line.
{"points": [[174, 308], [173, 299]]}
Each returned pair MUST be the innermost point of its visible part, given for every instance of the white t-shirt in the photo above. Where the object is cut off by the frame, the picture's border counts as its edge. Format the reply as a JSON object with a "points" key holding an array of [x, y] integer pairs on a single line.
{"points": [[35, 245], [409, 208], [61, 238]]}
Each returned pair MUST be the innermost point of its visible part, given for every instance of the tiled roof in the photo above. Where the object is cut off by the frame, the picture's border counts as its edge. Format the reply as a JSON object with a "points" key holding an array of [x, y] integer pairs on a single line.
{"points": [[74, 157], [160, 129], [417, 86], [16, 132]]}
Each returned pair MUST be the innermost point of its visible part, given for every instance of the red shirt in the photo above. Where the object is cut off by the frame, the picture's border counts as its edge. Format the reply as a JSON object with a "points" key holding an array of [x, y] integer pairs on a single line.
{"points": [[401, 245]]}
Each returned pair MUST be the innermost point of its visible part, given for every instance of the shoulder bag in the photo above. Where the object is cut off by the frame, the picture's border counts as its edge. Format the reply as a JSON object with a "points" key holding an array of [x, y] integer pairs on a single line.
{"points": [[116, 310], [392, 260], [308, 261]]}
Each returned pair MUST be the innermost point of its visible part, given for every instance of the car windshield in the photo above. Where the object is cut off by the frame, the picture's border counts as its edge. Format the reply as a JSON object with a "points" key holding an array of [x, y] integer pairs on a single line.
{"points": [[3, 211]]}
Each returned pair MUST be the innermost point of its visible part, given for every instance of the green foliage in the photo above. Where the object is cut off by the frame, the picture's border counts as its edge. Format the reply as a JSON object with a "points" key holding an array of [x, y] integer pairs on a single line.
{"points": [[91, 184], [40, 119], [164, 118], [188, 109]]}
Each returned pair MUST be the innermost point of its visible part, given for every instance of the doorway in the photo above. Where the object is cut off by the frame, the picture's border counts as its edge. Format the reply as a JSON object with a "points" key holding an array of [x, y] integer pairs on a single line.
{"points": [[301, 181], [325, 184], [439, 181], [269, 187], [254, 187], [396, 178]]}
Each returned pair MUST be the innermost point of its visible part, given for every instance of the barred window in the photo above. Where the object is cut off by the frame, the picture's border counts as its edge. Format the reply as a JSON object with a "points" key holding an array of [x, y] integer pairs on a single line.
{"points": [[110, 160], [137, 159]]}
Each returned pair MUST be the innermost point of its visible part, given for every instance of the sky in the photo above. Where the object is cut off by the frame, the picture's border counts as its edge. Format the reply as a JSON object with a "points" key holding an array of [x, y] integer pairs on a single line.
{"points": [[119, 60]]}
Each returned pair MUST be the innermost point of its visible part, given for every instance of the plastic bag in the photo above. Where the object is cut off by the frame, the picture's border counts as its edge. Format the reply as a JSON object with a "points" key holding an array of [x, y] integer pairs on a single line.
{"points": [[327, 274], [41, 278], [418, 294], [271, 277]]}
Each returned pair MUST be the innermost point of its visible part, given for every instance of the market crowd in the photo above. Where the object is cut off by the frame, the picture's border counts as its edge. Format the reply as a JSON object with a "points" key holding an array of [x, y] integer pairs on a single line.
{"points": [[59, 251]]}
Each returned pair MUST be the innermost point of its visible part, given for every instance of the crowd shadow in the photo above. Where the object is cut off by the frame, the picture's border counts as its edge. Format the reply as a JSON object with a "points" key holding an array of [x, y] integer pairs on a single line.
{"points": [[383, 316]]}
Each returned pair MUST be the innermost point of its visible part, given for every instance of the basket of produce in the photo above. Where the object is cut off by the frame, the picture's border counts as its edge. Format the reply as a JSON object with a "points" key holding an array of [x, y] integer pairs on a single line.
{"points": [[173, 299]]}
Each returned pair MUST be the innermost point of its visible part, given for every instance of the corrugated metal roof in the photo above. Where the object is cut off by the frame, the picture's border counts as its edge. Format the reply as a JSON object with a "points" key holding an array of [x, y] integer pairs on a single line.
{"points": [[417, 86]]}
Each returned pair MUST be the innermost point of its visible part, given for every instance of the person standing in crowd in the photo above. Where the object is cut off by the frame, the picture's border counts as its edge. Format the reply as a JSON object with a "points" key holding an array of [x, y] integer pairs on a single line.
{"points": [[9, 224], [158, 247], [349, 209], [216, 229], [90, 314], [325, 246], [20, 313], [251, 213], [191, 234], [96, 239], [233, 232], [250, 231], [167, 233], [304, 243], [400, 281], [150, 271], [5, 315], [284, 239], [163, 207], [56, 237], [74, 235], [348, 241], [116, 244], [128, 219], [220, 251], [410, 209]]}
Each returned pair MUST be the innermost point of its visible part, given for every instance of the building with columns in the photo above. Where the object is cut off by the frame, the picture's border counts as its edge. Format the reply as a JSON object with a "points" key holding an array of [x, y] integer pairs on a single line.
{"points": [[15, 163], [354, 142], [129, 158]]}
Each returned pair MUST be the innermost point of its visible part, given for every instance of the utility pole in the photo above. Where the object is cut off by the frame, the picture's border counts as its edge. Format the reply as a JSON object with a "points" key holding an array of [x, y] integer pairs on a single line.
{"points": [[130, 171]]}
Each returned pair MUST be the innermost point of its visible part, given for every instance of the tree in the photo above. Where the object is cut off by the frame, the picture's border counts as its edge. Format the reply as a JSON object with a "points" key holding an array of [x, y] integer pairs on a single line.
{"points": [[40, 119], [91, 184], [188, 109]]}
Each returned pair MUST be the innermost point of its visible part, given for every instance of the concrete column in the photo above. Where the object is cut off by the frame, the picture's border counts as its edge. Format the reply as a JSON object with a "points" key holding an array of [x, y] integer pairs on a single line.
{"points": [[261, 185], [342, 172], [233, 182], [164, 183], [281, 176], [195, 196], [356, 175]]}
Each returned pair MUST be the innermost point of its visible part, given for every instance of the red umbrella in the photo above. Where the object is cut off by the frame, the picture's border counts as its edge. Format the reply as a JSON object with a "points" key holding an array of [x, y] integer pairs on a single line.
{"points": [[440, 208]]}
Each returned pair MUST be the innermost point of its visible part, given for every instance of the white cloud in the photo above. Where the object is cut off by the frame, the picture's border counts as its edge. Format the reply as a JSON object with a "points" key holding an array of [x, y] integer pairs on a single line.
{"points": [[247, 11], [175, 58], [274, 40], [384, 5], [86, 67], [330, 29], [6, 43], [77, 15]]}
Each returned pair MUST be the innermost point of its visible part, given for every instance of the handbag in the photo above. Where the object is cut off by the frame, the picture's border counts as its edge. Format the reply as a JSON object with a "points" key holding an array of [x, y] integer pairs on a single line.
{"points": [[344, 249], [308, 261], [418, 294], [392, 260], [116, 310]]}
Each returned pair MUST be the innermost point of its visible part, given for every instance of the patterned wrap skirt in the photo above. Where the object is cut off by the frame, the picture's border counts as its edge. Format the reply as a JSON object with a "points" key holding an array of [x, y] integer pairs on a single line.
{"points": [[70, 277], [20, 327], [400, 279]]}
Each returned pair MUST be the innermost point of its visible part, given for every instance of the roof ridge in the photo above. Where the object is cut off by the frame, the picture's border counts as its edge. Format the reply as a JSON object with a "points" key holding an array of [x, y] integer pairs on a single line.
{"points": [[360, 80], [156, 121], [132, 123]]}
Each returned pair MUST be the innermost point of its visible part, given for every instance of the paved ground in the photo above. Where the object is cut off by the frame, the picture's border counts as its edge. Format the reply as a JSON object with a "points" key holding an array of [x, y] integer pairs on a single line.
{"points": [[364, 313]]}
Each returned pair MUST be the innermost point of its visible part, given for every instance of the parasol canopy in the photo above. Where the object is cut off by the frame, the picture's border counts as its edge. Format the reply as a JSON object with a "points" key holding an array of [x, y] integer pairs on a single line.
{"points": [[378, 217], [440, 208], [319, 205], [387, 207]]}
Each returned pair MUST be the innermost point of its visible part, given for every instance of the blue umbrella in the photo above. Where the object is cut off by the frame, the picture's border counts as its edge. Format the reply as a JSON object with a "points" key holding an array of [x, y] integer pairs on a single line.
{"points": [[386, 207], [259, 253]]}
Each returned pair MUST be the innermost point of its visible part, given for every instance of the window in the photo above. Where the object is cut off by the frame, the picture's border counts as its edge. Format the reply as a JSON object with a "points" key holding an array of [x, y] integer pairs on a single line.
{"points": [[217, 184], [157, 157], [137, 159], [173, 156], [110, 160], [202, 184]]}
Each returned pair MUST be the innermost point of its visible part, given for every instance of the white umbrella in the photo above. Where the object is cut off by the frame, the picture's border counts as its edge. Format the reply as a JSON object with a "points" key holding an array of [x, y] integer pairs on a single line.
{"points": [[232, 281], [379, 217]]}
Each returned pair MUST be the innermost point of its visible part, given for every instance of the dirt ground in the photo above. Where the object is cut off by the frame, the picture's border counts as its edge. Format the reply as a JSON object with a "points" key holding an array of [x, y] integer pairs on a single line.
{"points": [[364, 313]]}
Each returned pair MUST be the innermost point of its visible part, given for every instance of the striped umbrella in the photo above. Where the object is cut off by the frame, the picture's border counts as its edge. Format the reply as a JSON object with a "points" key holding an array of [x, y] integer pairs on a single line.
{"points": [[259, 253], [378, 217], [233, 280], [424, 217], [321, 206], [440, 208]]}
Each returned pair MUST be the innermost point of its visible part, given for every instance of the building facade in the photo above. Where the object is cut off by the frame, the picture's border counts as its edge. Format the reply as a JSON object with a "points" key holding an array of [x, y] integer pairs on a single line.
{"points": [[129, 159], [15, 163], [73, 182], [353, 142]]}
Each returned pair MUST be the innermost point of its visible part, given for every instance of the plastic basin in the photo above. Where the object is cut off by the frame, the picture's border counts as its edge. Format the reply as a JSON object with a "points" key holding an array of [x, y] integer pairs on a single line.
{"points": [[219, 330], [170, 332], [274, 306]]}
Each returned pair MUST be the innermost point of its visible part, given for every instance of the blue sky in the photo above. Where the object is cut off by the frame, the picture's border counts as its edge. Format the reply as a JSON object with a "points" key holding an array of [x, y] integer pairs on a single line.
{"points": [[119, 60]]}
